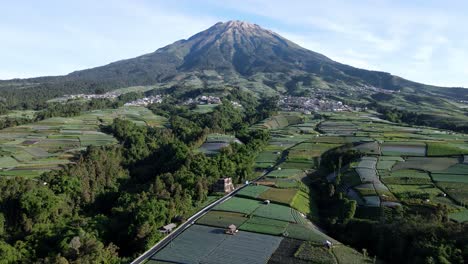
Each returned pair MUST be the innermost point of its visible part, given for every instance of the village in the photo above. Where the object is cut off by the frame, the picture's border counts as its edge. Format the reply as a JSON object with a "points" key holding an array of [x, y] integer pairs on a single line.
{"points": [[155, 99], [307, 105]]}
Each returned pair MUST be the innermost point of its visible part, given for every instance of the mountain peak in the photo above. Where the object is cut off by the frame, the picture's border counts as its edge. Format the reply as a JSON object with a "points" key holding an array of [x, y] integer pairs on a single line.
{"points": [[239, 24], [238, 53]]}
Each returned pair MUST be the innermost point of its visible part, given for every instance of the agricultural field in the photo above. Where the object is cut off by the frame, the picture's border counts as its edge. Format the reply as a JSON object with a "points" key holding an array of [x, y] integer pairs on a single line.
{"points": [[460, 216], [186, 248], [285, 173], [444, 149], [222, 219], [31, 149], [215, 142], [403, 149], [217, 246], [397, 166], [29, 114], [238, 205], [253, 191], [206, 108], [281, 196], [280, 121]]}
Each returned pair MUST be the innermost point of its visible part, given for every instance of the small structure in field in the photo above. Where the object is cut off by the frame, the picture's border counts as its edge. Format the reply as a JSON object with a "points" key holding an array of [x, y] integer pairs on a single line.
{"points": [[167, 228], [328, 244], [266, 202], [231, 230], [224, 185]]}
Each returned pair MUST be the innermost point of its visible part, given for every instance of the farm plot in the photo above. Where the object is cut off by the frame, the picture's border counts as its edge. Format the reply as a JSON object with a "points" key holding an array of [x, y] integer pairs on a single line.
{"points": [[303, 165], [460, 216], [407, 177], [264, 226], [308, 151], [371, 201], [252, 191], [212, 147], [442, 177], [282, 196], [403, 149], [244, 247], [215, 142], [280, 121], [369, 148], [455, 169], [387, 162], [306, 232], [301, 202], [203, 109], [268, 156], [275, 211], [420, 192], [444, 149], [456, 190], [285, 173], [186, 248], [284, 183], [427, 164], [239, 205], [329, 140], [222, 219], [367, 174]]}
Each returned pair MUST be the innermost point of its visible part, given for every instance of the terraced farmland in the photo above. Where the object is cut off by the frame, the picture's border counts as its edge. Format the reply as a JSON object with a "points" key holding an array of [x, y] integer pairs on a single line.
{"points": [[32, 149]]}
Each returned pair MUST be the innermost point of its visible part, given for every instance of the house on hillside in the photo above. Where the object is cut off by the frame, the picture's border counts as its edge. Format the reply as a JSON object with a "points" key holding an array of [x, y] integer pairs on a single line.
{"points": [[167, 228], [224, 185]]}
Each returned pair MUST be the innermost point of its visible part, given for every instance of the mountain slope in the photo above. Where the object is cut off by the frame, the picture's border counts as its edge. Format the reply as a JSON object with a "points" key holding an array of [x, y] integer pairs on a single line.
{"points": [[232, 53]]}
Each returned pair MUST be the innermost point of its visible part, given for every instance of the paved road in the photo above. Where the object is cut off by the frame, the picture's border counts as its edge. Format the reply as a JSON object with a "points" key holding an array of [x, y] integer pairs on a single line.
{"points": [[166, 240]]}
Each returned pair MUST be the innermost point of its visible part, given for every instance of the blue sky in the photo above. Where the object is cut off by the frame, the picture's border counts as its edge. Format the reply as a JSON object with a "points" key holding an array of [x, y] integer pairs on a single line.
{"points": [[424, 41]]}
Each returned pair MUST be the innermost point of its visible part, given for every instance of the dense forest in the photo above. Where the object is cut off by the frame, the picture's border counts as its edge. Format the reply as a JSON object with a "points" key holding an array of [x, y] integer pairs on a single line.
{"points": [[107, 207]]}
